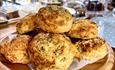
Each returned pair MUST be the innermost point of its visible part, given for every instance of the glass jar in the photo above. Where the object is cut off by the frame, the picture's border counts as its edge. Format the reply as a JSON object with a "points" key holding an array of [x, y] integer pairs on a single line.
{"points": [[51, 2], [94, 8], [77, 7]]}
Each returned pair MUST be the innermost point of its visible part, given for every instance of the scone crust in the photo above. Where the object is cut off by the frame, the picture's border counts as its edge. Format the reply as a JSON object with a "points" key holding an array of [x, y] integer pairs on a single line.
{"points": [[15, 50], [84, 29], [26, 24], [51, 51], [54, 19], [92, 49]]}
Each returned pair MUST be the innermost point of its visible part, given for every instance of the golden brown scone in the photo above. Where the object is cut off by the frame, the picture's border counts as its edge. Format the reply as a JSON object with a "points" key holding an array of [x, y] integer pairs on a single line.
{"points": [[54, 19], [51, 51], [92, 49], [83, 29], [26, 24], [48, 68], [15, 50]]}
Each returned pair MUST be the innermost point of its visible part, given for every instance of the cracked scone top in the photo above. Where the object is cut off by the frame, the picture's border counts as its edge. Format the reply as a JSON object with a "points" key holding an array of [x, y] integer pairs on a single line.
{"points": [[83, 29], [92, 49], [15, 50], [51, 51], [26, 24], [54, 19]]}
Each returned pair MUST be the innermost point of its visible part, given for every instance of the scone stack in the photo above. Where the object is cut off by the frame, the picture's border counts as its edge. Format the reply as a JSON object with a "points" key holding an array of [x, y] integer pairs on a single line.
{"points": [[46, 40], [51, 49]]}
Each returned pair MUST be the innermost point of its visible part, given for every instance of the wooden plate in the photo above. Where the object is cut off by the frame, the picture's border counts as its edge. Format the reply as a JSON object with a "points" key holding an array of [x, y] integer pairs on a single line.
{"points": [[103, 64]]}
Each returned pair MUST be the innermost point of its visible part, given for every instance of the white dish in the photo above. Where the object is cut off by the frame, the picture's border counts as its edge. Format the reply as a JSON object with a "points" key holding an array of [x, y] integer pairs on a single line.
{"points": [[107, 28]]}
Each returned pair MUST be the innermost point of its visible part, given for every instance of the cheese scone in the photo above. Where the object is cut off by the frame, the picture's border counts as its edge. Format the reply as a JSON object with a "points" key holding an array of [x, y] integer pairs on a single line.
{"points": [[92, 49], [54, 19], [26, 24], [84, 29], [15, 50], [51, 51]]}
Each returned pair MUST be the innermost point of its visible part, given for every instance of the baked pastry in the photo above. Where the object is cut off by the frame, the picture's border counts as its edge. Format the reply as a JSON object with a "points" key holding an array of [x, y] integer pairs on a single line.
{"points": [[15, 50], [54, 19], [26, 24], [51, 51], [92, 49], [83, 29]]}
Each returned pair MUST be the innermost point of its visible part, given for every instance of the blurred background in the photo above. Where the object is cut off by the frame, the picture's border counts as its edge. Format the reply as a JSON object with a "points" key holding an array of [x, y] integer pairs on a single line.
{"points": [[97, 10]]}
